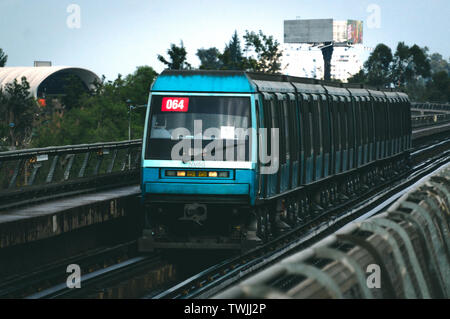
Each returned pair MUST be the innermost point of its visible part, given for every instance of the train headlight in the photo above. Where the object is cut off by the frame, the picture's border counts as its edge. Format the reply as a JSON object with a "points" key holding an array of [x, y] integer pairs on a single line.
{"points": [[171, 173], [224, 174]]}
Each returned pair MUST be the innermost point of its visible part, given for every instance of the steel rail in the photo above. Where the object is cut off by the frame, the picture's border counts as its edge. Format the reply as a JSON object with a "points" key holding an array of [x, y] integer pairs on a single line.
{"points": [[99, 278], [18, 285]]}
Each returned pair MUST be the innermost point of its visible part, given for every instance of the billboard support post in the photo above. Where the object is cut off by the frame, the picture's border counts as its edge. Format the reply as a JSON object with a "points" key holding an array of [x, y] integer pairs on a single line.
{"points": [[327, 53], [325, 34]]}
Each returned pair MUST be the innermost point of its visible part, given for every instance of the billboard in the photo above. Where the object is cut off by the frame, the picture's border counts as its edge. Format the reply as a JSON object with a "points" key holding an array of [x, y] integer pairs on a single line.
{"points": [[354, 31], [323, 30], [308, 31]]}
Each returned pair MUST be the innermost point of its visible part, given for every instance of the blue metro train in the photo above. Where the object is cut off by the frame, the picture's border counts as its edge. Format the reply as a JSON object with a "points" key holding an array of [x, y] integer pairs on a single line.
{"points": [[233, 156]]}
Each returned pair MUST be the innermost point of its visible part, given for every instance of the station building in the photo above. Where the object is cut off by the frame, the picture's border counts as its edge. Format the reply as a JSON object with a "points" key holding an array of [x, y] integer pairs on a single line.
{"points": [[47, 81]]}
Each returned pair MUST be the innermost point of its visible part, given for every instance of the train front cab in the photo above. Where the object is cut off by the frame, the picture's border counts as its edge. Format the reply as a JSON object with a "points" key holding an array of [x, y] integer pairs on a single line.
{"points": [[176, 192]]}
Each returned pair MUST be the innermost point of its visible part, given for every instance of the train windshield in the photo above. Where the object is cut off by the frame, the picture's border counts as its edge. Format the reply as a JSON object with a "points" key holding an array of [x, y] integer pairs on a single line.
{"points": [[214, 126]]}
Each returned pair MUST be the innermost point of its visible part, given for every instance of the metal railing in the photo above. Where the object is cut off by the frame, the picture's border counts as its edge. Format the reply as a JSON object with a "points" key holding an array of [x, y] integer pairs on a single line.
{"points": [[418, 121], [431, 106], [67, 168]]}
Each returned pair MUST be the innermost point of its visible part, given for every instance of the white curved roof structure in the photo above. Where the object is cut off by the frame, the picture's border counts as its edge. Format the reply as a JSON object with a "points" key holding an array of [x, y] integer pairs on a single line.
{"points": [[36, 75]]}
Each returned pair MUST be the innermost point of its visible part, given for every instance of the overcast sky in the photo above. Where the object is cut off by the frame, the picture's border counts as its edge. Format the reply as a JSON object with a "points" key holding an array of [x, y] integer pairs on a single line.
{"points": [[115, 36]]}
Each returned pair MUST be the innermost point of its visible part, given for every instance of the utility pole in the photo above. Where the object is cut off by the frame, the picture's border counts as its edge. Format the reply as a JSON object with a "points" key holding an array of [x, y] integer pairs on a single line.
{"points": [[129, 130], [131, 108]]}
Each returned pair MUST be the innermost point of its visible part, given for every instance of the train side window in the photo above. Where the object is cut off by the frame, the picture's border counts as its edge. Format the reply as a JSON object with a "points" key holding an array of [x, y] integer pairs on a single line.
{"points": [[389, 119], [394, 118], [335, 115], [258, 119], [367, 120], [398, 123], [364, 127], [385, 119], [287, 127], [350, 124], [325, 124], [400, 115], [300, 120], [277, 123], [381, 119], [256, 129], [407, 118], [375, 118], [339, 123], [357, 122], [306, 125], [387, 126], [293, 125], [343, 118], [370, 120], [317, 125], [267, 121]]}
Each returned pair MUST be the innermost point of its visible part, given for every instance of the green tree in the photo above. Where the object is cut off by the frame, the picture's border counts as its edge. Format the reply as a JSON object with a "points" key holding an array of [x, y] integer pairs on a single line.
{"points": [[438, 64], [74, 88], [209, 59], [232, 57], [137, 85], [409, 64], [17, 111], [420, 61], [360, 77], [438, 89], [378, 66], [401, 71], [177, 56], [267, 51], [3, 58]]}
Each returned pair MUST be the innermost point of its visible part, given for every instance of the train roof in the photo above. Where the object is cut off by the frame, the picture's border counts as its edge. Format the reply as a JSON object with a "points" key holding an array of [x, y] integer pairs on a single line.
{"points": [[203, 81], [358, 91], [333, 90], [391, 95], [225, 81]]}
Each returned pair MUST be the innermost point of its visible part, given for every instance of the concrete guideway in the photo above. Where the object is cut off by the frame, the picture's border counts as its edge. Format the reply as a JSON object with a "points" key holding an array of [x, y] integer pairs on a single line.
{"points": [[401, 253], [23, 225]]}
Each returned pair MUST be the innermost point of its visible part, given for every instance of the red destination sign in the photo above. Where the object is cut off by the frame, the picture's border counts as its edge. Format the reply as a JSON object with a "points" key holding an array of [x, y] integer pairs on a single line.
{"points": [[175, 104]]}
